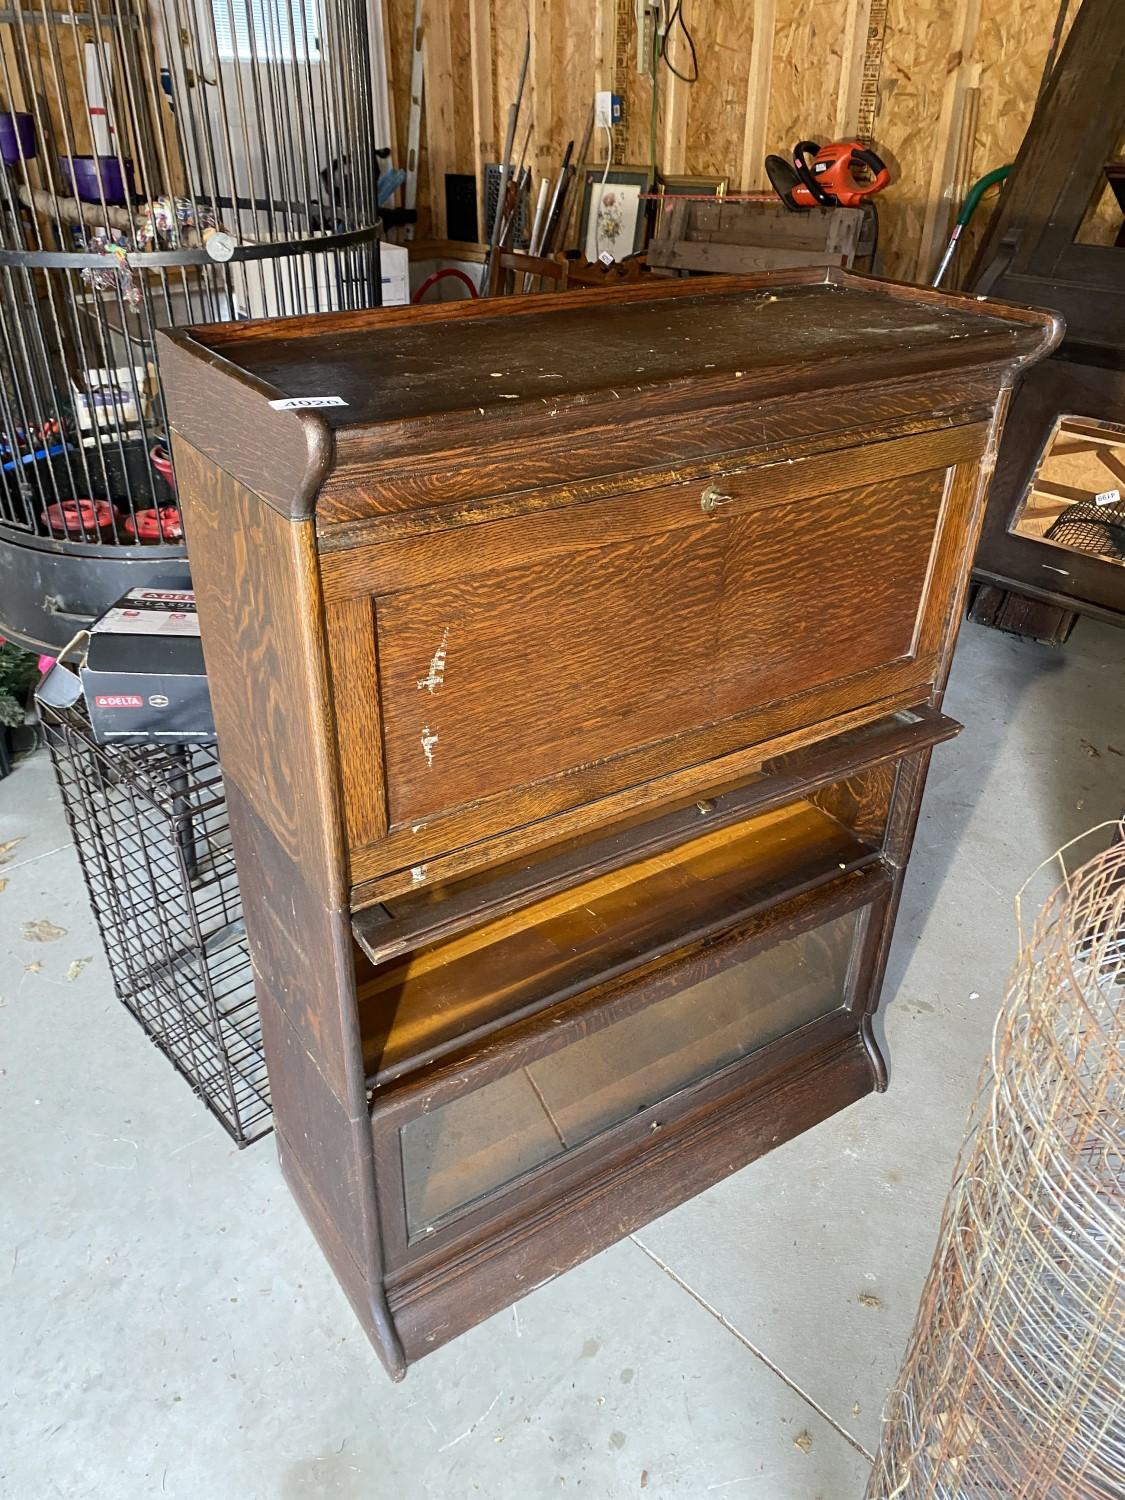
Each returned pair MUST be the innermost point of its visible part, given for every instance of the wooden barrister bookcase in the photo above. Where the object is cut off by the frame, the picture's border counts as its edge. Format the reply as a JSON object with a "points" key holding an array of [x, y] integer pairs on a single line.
{"points": [[576, 683]]}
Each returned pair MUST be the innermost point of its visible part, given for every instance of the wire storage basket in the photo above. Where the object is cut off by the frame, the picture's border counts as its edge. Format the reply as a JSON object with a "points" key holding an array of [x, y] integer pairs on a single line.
{"points": [[150, 827], [162, 162], [1098, 529]]}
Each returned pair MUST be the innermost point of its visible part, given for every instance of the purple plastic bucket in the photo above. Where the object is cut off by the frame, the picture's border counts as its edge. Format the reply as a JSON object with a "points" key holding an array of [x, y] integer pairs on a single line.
{"points": [[17, 137], [82, 174]]}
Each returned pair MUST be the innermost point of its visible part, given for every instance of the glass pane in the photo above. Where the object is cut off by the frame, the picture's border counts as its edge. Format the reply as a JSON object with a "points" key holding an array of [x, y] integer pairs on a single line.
{"points": [[456, 1154], [267, 30], [1076, 498]]}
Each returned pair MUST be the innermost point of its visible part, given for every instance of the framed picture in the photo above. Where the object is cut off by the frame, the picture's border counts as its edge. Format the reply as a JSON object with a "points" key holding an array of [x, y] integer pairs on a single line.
{"points": [[694, 187], [613, 217]]}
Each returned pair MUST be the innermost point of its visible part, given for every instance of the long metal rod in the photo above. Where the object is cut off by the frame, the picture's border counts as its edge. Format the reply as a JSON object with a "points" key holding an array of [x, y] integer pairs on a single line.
{"points": [[558, 195], [414, 123]]}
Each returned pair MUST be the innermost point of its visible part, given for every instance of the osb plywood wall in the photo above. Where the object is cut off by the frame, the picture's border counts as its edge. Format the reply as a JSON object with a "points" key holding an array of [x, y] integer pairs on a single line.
{"points": [[957, 81]]}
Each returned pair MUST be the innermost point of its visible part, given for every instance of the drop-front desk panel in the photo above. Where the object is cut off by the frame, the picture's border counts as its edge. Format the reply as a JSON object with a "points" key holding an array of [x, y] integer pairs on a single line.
{"points": [[576, 680]]}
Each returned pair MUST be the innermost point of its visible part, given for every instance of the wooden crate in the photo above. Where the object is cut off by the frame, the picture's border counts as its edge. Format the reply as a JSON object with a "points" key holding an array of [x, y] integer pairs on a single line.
{"points": [[742, 237]]}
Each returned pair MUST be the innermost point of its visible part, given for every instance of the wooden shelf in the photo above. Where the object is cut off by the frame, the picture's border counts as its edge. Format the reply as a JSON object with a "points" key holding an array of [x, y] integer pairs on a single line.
{"points": [[441, 998]]}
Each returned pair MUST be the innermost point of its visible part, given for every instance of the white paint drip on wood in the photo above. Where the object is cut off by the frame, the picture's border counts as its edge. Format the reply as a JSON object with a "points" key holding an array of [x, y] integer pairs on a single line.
{"points": [[436, 675], [429, 740]]}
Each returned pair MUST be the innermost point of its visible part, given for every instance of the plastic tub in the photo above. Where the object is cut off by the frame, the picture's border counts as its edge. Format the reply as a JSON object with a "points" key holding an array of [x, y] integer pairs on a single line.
{"points": [[17, 137], [92, 178]]}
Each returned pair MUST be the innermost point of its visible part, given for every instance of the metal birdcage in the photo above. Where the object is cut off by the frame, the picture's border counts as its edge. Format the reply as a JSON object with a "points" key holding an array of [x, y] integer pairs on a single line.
{"points": [[151, 832], [162, 162]]}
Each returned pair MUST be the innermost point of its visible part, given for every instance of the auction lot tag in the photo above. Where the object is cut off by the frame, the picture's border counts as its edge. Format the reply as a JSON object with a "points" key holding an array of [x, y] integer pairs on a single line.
{"points": [[307, 403]]}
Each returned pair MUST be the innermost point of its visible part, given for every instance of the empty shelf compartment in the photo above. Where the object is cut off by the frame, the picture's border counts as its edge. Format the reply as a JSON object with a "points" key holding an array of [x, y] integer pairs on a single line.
{"points": [[420, 1008]]}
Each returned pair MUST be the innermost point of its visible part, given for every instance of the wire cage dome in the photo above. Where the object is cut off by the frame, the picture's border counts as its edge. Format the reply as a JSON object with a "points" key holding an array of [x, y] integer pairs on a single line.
{"points": [[161, 162]]}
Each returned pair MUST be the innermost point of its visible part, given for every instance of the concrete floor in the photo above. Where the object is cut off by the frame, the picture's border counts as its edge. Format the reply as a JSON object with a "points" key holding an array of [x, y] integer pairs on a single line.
{"points": [[167, 1327]]}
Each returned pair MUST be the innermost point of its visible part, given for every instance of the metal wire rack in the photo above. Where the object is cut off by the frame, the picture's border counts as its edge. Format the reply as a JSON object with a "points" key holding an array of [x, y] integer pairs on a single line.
{"points": [[1099, 529], [151, 830]]}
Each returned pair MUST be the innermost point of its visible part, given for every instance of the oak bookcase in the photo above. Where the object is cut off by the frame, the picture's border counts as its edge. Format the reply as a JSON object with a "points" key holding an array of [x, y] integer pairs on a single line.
{"points": [[576, 680]]}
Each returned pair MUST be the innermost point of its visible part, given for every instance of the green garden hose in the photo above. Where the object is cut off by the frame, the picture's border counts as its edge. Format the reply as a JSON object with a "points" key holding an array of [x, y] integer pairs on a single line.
{"points": [[968, 209]]}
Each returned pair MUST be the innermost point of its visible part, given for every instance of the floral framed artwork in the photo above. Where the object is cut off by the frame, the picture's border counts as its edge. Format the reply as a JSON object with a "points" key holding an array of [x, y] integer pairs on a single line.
{"points": [[613, 218]]}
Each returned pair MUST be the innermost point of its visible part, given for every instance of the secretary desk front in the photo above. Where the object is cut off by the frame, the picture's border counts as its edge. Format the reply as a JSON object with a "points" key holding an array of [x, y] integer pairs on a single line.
{"points": [[576, 675]]}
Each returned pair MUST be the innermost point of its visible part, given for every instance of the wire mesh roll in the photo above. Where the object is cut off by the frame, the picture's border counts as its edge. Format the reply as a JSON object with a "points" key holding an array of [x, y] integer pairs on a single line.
{"points": [[1013, 1384]]}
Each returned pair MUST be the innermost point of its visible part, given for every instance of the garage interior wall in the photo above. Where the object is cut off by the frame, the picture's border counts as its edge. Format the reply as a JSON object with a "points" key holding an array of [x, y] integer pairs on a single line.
{"points": [[956, 85]]}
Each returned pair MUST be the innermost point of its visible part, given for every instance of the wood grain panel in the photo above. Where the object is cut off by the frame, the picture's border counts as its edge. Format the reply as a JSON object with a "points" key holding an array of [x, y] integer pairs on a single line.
{"points": [[258, 589], [355, 682], [497, 457], [260, 612], [861, 802], [821, 592], [569, 659], [548, 667], [516, 474], [440, 557], [962, 514]]}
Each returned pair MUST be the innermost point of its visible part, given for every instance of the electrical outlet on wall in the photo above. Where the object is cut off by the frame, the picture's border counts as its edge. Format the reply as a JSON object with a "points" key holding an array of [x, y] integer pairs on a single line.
{"points": [[603, 109]]}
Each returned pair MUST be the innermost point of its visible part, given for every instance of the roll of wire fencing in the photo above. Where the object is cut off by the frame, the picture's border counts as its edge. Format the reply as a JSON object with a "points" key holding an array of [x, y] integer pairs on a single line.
{"points": [[1013, 1384]]}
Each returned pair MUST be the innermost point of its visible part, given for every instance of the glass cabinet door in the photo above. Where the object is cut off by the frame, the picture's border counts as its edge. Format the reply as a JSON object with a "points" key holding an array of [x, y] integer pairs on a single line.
{"points": [[720, 1011]]}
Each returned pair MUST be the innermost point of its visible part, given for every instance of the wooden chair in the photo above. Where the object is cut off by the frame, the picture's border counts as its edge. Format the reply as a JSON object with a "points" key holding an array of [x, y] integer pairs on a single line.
{"points": [[506, 265]]}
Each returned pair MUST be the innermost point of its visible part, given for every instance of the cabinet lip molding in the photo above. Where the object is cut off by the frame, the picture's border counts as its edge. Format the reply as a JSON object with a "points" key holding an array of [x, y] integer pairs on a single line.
{"points": [[287, 457], [283, 456]]}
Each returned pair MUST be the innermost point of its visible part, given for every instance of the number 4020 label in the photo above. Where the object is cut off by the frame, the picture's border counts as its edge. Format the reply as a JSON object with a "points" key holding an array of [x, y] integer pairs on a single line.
{"points": [[307, 403]]}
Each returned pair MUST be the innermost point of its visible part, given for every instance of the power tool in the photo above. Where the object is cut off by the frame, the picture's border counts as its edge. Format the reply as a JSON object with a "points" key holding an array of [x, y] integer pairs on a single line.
{"points": [[825, 176]]}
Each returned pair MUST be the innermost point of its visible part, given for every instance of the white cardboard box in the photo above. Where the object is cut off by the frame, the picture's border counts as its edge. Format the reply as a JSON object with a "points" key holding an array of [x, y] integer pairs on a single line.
{"points": [[394, 261]]}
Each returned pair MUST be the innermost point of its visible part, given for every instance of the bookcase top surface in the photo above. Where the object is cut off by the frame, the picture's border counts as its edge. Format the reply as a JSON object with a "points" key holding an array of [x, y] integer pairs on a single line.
{"points": [[396, 364]]}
